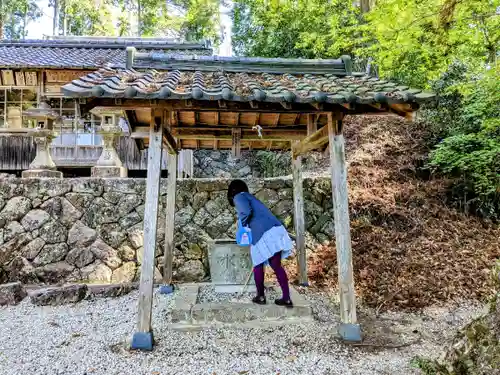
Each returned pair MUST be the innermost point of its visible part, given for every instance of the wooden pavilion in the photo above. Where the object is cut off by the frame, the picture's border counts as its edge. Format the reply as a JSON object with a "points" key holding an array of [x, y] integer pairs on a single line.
{"points": [[212, 102]]}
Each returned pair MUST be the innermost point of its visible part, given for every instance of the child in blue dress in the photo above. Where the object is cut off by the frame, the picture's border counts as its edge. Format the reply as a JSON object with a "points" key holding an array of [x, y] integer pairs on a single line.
{"points": [[270, 240]]}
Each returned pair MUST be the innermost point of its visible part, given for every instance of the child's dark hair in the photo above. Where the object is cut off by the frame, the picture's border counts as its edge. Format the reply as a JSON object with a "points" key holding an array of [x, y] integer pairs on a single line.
{"points": [[235, 187]]}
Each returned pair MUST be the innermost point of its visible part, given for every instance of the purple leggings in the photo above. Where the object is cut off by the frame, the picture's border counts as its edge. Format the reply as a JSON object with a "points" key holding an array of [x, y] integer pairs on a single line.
{"points": [[275, 263]]}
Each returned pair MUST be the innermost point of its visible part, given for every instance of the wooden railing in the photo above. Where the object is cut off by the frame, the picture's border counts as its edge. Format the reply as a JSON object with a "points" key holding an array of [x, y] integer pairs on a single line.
{"points": [[18, 150]]}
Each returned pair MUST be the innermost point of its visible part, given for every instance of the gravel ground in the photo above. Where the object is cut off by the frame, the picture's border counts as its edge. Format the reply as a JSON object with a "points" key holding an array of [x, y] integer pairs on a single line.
{"points": [[90, 338], [207, 294]]}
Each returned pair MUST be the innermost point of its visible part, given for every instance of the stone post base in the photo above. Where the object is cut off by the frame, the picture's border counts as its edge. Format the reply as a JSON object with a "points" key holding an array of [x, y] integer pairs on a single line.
{"points": [[109, 172], [41, 173]]}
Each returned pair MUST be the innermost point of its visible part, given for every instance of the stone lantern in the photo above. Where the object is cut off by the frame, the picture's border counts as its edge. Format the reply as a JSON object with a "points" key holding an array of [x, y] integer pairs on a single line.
{"points": [[42, 165], [109, 163]]}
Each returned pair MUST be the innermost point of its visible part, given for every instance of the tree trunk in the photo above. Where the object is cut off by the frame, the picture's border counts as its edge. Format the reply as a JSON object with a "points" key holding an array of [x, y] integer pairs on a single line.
{"points": [[365, 6], [139, 27], [55, 22], [25, 21], [2, 15], [65, 19]]}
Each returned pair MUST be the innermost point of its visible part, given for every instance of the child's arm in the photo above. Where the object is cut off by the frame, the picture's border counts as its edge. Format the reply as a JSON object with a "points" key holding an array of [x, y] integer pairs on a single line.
{"points": [[243, 209]]}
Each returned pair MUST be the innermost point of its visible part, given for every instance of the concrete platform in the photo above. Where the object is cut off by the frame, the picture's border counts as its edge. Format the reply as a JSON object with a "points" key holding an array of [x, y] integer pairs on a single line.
{"points": [[188, 314]]}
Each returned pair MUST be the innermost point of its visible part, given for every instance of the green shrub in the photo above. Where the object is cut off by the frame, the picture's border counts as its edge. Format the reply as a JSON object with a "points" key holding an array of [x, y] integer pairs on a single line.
{"points": [[273, 164], [467, 116]]}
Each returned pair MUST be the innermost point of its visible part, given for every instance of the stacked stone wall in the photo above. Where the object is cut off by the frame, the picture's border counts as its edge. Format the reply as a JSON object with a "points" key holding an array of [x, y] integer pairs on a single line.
{"points": [[91, 230]]}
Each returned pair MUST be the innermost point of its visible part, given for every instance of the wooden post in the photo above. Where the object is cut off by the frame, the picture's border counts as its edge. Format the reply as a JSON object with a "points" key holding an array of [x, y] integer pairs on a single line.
{"points": [[349, 330], [143, 337], [300, 230], [169, 220], [236, 135]]}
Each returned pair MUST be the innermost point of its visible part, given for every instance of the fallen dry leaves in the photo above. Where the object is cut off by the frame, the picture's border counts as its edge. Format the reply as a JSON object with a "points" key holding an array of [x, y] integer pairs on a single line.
{"points": [[410, 249]]}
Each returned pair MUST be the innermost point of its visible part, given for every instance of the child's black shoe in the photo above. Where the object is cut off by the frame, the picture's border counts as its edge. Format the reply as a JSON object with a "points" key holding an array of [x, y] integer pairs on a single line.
{"points": [[282, 302], [259, 300]]}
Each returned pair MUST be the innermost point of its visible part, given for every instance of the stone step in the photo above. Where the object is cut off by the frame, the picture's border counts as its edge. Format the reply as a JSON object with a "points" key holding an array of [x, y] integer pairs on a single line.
{"points": [[189, 312]]}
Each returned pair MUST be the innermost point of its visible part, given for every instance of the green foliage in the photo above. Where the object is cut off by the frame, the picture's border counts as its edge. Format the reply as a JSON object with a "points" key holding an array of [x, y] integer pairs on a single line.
{"points": [[427, 366], [15, 16], [201, 20], [415, 41], [302, 28], [444, 45], [273, 164], [86, 18], [470, 153], [189, 19]]}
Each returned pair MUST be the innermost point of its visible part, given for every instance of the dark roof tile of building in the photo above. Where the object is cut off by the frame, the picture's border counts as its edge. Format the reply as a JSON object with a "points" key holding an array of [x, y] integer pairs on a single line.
{"points": [[87, 52]]}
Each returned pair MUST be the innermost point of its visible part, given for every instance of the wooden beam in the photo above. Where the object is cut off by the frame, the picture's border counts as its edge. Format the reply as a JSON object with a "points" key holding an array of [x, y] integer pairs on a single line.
{"points": [[312, 142], [349, 328], [236, 136], [142, 131], [216, 144], [173, 119], [170, 219], [143, 337], [312, 124], [318, 106], [257, 119], [245, 134], [316, 140], [286, 105], [300, 229], [211, 106], [276, 119], [404, 110], [163, 120], [170, 142]]}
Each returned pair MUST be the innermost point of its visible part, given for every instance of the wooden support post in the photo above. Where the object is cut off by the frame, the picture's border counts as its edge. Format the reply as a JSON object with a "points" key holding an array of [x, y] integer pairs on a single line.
{"points": [[170, 220], [349, 330], [312, 125], [300, 228], [143, 337], [236, 136]]}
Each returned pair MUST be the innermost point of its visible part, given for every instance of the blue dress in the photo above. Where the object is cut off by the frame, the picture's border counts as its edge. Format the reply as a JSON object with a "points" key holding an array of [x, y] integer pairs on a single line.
{"points": [[269, 236]]}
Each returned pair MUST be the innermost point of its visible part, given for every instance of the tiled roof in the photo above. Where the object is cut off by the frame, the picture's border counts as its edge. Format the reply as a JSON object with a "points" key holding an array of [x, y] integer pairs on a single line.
{"points": [[244, 79], [85, 53]]}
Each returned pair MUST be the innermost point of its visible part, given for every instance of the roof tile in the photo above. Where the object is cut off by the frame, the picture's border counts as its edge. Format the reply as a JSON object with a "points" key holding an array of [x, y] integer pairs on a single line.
{"points": [[84, 54], [214, 85]]}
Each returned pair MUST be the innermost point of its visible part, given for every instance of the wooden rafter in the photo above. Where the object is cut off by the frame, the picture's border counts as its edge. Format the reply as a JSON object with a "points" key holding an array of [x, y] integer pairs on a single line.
{"points": [[257, 119], [276, 119]]}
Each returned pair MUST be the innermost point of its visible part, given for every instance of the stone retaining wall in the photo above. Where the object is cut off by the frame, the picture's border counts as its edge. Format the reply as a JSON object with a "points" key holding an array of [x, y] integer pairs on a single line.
{"points": [[91, 230]]}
